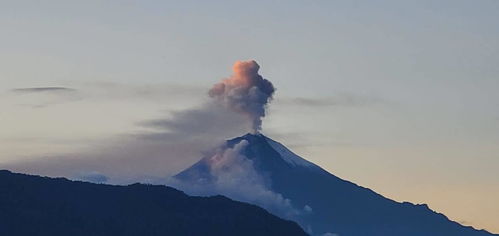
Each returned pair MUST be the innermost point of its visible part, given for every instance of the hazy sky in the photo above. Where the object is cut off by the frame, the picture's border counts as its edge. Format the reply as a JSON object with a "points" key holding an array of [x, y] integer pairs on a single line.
{"points": [[398, 96]]}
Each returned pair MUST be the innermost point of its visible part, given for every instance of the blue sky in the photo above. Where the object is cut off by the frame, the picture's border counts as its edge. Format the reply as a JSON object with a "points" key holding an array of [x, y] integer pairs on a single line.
{"points": [[398, 96]]}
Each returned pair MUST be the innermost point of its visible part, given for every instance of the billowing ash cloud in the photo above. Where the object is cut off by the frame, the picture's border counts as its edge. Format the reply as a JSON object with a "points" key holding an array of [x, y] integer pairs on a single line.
{"points": [[245, 92]]}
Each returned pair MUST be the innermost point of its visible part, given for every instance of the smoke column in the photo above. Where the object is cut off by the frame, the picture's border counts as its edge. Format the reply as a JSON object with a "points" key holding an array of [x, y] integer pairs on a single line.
{"points": [[245, 92]]}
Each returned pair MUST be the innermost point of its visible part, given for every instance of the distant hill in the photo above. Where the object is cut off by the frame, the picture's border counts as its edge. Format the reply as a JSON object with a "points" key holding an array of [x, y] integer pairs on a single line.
{"points": [[35, 206], [331, 206]]}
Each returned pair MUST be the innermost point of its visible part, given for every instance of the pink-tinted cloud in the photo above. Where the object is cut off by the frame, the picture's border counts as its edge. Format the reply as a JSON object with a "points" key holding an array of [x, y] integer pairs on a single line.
{"points": [[245, 92]]}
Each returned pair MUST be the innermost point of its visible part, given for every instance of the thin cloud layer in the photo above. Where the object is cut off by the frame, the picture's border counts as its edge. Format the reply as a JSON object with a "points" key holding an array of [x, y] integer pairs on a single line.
{"points": [[343, 100], [43, 89], [41, 97]]}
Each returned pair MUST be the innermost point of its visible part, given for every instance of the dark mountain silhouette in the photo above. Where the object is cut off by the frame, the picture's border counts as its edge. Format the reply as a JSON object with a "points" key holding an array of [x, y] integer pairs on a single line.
{"points": [[35, 206], [336, 206]]}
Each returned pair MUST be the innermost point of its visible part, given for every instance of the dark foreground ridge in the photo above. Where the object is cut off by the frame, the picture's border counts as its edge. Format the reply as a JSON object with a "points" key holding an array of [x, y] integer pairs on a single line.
{"points": [[33, 205]]}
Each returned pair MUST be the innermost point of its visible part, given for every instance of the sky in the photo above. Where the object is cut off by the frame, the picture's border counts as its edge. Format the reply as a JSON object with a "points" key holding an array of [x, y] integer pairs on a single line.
{"points": [[398, 96]]}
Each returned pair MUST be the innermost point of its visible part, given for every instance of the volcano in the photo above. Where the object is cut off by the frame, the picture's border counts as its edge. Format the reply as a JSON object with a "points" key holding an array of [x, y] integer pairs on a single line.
{"points": [[256, 169]]}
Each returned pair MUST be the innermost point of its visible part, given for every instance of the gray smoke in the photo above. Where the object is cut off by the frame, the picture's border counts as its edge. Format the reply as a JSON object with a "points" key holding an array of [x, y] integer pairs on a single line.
{"points": [[245, 92], [236, 177]]}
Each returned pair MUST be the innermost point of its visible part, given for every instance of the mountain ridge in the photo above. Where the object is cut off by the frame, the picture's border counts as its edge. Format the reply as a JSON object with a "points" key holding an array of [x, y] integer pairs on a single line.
{"points": [[34, 205]]}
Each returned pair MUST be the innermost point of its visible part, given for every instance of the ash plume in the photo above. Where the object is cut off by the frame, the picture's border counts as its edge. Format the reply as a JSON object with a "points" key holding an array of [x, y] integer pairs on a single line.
{"points": [[245, 92]]}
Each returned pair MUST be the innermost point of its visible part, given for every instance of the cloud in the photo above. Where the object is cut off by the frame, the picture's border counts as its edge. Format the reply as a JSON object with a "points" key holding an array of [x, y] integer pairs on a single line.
{"points": [[40, 97], [92, 176], [307, 208], [43, 90], [245, 92], [162, 93], [345, 100]]}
